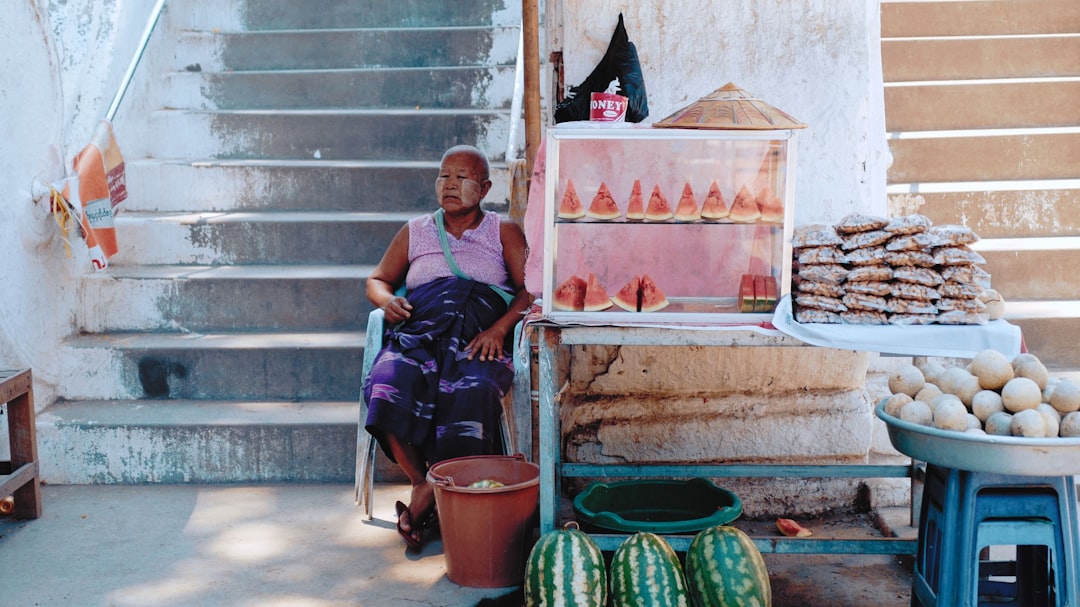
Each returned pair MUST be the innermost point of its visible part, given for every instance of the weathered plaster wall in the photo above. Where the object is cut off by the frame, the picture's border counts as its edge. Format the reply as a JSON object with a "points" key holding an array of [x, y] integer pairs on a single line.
{"points": [[818, 60], [60, 69]]}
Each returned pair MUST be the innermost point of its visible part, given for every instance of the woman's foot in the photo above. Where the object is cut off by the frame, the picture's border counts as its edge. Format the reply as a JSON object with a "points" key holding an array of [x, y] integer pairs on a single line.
{"points": [[415, 534], [422, 500]]}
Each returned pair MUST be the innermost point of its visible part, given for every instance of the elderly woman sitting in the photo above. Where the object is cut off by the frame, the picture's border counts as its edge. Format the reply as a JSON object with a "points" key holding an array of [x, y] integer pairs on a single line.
{"points": [[435, 390]]}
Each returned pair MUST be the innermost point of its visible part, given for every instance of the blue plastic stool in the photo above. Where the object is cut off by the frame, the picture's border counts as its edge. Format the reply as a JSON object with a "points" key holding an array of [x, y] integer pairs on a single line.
{"points": [[965, 512]]}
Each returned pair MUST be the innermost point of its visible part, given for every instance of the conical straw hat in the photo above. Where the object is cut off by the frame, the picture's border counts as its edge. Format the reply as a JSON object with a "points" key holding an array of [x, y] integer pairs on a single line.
{"points": [[730, 107]]}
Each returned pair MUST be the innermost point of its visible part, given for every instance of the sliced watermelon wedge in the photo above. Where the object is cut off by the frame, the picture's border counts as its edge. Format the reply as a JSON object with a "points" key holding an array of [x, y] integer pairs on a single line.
{"points": [[603, 205], [714, 206], [596, 298], [627, 297], [792, 528], [745, 208], [659, 209], [570, 295], [652, 298], [635, 207], [770, 206], [687, 209], [571, 207]]}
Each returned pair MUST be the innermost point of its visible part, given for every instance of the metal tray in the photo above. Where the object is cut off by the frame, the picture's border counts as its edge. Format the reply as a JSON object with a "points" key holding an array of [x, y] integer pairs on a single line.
{"points": [[977, 453]]}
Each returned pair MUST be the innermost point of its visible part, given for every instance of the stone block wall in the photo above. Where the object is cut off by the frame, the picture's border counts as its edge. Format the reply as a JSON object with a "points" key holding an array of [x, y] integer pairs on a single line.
{"points": [[690, 404]]}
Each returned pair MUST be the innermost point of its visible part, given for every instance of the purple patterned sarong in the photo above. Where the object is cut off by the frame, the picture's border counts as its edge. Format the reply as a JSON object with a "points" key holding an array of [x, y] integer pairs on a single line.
{"points": [[423, 389]]}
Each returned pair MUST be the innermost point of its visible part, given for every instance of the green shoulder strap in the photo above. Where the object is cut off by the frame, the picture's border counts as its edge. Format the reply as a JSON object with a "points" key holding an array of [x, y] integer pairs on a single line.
{"points": [[507, 297]]}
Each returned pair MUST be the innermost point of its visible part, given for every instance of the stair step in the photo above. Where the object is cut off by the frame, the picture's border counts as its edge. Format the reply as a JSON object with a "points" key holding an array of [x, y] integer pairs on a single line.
{"points": [[975, 17], [975, 104], [189, 298], [225, 343], [975, 57], [429, 47], [996, 209], [439, 88], [990, 154], [255, 237], [362, 186], [289, 14], [1033, 268], [323, 134], [197, 441], [1050, 329], [272, 365]]}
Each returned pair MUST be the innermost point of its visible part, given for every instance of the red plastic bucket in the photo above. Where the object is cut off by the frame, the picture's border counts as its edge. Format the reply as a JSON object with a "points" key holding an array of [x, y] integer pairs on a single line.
{"points": [[486, 532]]}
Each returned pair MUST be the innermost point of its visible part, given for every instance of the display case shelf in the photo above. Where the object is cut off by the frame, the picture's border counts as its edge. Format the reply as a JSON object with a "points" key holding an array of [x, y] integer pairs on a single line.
{"points": [[698, 263]]}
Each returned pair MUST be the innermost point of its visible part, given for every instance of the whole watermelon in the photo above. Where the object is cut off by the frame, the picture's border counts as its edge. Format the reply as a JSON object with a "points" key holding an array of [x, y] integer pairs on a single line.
{"points": [[646, 571], [725, 569], [565, 569]]}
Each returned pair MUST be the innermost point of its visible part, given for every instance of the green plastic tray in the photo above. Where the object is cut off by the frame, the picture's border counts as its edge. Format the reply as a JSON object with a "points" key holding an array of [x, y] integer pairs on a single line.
{"points": [[659, 506]]}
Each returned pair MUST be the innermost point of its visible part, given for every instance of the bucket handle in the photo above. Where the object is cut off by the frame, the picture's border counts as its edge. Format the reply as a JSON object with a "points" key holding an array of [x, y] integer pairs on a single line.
{"points": [[448, 481]]}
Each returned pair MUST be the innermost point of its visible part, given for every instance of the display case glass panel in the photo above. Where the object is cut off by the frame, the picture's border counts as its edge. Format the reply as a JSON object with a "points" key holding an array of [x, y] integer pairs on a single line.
{"points": [[724, 234]]}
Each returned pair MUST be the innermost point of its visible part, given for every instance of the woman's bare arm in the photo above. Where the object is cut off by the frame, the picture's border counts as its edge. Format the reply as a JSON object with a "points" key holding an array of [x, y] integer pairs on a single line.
{"points": [[388, 276]]}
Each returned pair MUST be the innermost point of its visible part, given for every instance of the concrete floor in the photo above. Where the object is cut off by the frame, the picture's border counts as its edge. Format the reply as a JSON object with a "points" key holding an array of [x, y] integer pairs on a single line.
{"points": [[298, 546]]}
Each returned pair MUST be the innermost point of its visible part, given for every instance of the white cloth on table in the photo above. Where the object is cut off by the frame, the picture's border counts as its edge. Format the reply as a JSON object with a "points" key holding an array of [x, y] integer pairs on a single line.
{"points": [[959, 341]]}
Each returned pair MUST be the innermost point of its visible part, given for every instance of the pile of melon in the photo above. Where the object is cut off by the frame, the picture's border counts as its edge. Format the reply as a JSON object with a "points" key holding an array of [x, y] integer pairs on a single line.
{"points": [[723, 569], [990, 396]]}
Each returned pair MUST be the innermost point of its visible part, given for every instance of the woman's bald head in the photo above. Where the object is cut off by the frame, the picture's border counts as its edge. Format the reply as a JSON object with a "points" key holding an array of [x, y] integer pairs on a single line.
{"points": [[476, 158]]}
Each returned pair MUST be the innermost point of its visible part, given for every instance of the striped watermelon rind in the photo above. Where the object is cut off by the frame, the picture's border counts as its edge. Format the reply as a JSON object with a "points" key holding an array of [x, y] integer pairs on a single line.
{"points": [[565, 569], [646, 571], [725, 569]]}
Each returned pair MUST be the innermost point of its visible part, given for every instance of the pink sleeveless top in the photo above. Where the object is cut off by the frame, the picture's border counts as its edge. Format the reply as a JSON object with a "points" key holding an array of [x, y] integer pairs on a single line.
{"points": [[478, 253]]}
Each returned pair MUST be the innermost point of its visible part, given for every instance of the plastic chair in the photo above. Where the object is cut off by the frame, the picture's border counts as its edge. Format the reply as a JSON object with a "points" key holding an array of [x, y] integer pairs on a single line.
{"points": [[366, 446], [965, 512]]}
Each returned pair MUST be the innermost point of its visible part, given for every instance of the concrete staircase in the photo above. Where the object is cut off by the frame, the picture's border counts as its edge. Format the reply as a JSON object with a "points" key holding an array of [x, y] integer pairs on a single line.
{"points": [[287, 143], [982, 104]]}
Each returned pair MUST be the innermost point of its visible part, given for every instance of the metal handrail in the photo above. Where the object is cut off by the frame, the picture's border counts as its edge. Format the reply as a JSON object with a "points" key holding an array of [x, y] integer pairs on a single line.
{"points": [[155, 14]]}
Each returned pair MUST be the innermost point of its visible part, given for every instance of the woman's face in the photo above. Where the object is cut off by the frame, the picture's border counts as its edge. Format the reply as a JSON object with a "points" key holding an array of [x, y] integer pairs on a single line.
{"points": [[459, 185]]}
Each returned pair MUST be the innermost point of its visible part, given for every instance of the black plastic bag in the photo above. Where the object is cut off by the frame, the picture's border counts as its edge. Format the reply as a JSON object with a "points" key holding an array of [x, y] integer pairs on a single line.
{"points": [[620, 61]]}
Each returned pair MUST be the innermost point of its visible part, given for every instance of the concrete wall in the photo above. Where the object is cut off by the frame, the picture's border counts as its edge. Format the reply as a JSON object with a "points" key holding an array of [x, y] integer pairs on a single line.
{"points": [[61, 63], [818, 60]]}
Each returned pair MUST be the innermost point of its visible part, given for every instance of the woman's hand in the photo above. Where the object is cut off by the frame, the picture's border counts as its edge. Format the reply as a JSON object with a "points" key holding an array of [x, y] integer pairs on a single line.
{"points": [[488, 345], [397, 310]]}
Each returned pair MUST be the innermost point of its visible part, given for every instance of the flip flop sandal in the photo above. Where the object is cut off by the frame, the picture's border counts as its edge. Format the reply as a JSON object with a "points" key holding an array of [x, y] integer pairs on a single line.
{"points": [[413, 539]]}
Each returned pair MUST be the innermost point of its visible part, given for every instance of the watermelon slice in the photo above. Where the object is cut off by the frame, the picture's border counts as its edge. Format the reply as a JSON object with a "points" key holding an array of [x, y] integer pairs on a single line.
{"points": [[770, 294], [746, 293], [596, 298], [770, 206], [659, 209], [571, 207], [635, 207], [714, 206], [603, 205], [745, 208], [652, 298], [627, 297], [687, 209], [570, 295], [759, 293], [792, 528]]}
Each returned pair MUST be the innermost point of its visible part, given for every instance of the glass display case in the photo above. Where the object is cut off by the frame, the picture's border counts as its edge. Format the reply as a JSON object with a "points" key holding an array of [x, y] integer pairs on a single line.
{"points": [[646, 225]]}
